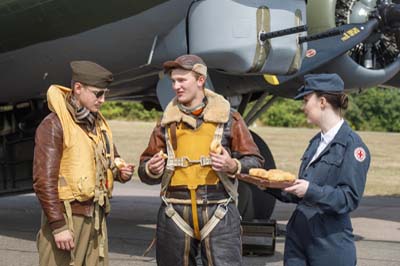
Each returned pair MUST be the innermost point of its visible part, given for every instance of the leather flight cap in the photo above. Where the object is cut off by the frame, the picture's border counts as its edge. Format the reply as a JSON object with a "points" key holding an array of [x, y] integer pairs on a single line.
{"points": [[329, 83], [188, 62], [90, 73]]}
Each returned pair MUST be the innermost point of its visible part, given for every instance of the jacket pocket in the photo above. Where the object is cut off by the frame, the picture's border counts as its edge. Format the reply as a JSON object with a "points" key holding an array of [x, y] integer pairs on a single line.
{"points": [[335, 155]]}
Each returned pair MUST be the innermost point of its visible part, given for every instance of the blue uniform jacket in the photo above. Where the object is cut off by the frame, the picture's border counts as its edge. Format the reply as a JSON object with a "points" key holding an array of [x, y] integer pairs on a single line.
{"points": [[337, 178]]}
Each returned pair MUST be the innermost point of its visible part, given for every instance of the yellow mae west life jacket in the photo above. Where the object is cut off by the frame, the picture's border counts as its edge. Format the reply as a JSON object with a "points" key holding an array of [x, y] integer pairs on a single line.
{"points": [[78, 168], [194, 144]]}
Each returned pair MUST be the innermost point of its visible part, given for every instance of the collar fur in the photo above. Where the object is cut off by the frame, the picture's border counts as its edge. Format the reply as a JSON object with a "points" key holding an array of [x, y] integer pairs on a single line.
{"points": [[216, 111]]}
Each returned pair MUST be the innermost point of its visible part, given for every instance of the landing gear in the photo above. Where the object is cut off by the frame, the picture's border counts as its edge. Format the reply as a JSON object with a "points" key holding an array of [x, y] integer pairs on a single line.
{"points": [[17, 132], [255, 205], [253, 202]]}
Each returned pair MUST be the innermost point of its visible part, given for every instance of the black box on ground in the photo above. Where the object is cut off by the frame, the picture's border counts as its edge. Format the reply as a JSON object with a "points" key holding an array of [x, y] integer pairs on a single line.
{"points": [[259, 237]]}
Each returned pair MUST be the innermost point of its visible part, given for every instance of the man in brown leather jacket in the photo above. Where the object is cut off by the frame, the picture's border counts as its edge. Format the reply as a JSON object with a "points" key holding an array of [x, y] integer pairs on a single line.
{"points": [[74, 170], [206, 145]]}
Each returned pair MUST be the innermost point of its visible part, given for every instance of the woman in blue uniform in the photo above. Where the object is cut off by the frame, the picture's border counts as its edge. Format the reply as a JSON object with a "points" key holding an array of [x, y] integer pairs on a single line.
{"points": [[331, 180]]}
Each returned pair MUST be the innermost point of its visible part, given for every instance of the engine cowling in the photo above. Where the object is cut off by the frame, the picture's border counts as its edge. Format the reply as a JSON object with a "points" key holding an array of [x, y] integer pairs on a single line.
{"points": [[372, 62], [226, 34]]}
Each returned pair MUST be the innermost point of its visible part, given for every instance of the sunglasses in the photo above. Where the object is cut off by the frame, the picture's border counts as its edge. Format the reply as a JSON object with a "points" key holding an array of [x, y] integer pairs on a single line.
{"points": [[99, 93]]}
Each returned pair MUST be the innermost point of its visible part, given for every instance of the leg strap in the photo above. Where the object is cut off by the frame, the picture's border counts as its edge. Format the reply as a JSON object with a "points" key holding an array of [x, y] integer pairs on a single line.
{"points": [[172, 213], [218, 215]]}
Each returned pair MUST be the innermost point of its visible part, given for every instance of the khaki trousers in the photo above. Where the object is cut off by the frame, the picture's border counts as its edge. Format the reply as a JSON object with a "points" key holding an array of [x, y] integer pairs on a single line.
{"points": [[86, 241]]}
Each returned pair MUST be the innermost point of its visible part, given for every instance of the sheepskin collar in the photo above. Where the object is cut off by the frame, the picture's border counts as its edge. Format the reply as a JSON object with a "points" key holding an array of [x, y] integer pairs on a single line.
{"points": [[216, 111]]}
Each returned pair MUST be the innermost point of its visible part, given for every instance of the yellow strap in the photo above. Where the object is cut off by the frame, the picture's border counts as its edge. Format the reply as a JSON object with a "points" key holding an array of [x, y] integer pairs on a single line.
{"points": [[194, 214], [68, 212]]}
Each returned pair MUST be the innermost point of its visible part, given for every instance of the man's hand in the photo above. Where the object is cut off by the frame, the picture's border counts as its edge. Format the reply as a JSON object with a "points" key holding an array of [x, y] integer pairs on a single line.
{"points": [[223, 162], [127, 171], [64, 240], [299, 188], [156, 164]]}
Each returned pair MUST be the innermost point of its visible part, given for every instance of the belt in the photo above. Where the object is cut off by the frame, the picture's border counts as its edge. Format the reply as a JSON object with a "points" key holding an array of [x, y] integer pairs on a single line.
{"points": [[203, 193], [85, 208]]}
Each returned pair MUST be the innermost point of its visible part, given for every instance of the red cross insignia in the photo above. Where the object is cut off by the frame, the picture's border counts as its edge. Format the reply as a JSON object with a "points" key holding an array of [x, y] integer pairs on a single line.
{"points": [[359, 154], [311, 53]]}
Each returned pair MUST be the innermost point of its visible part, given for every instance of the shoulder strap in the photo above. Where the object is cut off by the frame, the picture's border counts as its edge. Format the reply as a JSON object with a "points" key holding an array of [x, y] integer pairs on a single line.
{"points": [[230, 187], [169, 170]]}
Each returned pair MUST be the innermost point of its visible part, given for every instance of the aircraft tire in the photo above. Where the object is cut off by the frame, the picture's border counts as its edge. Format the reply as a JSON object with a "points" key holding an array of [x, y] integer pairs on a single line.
{"points": [[253, 202]]}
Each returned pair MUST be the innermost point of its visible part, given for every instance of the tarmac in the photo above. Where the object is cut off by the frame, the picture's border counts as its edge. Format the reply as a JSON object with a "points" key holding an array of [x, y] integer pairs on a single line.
{"points": [[132, 221]]}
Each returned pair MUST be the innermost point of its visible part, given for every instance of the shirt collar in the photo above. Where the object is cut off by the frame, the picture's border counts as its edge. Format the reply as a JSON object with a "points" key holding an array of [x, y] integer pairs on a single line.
{"points": [[328, 136]]}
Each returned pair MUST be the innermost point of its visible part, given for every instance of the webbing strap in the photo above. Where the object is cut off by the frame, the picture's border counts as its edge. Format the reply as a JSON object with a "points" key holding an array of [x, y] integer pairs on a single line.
{"points": [[195, 218], [68, 213], [230, 187], [219, 131], [171, 213], [189, 202], [170, 151], [218, 215], [186, 161], [102, 239], [169, 171], [100, 229], [96, 217]]}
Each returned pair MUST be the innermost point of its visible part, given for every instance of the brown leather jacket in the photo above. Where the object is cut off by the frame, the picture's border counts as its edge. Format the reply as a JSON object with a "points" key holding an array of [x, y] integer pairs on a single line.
{"points": [[46, 164], [236, 139]]}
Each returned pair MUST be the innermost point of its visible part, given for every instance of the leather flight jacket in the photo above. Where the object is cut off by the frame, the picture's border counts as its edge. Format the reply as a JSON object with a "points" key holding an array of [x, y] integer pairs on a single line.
{"points": [[47, 159], [236, 140]]}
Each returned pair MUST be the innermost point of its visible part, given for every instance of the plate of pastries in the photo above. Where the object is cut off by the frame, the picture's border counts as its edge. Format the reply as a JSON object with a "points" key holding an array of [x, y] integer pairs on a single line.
{"points": [[273, 178]]}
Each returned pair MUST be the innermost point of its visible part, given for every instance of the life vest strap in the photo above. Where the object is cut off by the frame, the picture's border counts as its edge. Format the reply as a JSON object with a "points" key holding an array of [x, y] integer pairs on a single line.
{"points": [[186, 161]]}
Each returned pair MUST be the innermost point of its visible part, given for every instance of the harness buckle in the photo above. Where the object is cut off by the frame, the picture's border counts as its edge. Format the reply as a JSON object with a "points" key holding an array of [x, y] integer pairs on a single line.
{"points": [[204, 161], [186, 162], [221, 211], [169, 211]]}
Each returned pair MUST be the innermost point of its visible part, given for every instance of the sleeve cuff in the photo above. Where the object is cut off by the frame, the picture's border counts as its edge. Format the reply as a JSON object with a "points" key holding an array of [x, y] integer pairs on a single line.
{"points": [[238, 170], [58, 226], [59, 230], [148, 173], [313, 193]]}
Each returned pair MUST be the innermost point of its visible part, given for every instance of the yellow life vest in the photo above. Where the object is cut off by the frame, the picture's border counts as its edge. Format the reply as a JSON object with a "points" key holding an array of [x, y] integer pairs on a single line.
{"points": [[78, 169], [194, 143]]}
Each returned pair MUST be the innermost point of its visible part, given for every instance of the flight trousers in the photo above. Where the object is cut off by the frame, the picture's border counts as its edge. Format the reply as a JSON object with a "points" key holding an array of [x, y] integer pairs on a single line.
{"points": [[86, 240], [222, 247]]}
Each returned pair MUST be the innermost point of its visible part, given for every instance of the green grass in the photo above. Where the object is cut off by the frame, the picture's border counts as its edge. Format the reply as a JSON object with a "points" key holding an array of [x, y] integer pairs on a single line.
{"points": [[287, 146]]}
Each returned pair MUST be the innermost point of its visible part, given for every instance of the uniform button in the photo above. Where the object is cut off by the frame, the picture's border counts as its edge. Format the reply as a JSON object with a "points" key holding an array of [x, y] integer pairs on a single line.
{"points": [[305, 175]]}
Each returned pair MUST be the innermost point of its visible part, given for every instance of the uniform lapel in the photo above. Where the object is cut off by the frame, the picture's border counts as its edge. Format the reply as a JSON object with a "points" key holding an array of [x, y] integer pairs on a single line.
{"points": [[339, 138], [314, 142]]}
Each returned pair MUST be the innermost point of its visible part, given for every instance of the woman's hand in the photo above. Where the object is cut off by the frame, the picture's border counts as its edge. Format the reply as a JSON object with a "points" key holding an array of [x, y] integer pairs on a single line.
{"points": [[299, 188]]}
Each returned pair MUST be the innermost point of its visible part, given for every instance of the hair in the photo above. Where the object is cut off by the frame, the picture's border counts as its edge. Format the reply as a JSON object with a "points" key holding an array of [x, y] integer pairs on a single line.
{"points": [[196, 75], [73, 84], [339, 101]]}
